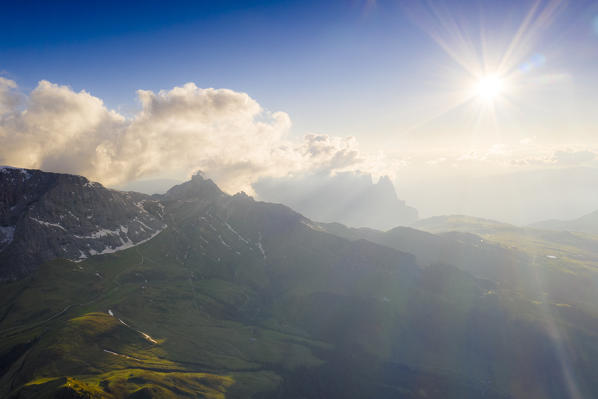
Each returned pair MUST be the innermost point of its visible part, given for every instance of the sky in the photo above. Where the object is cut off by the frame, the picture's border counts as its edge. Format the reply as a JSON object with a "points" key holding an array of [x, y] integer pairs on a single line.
{"points": [[435, 94]]}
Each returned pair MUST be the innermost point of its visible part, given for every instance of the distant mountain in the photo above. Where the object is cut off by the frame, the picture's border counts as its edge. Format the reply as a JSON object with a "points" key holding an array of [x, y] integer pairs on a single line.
{"points": [[237, 298], [560, 265], [461, 223], [469, 252], [519, 198], [348, 198], [49, 215], [584, 224]]}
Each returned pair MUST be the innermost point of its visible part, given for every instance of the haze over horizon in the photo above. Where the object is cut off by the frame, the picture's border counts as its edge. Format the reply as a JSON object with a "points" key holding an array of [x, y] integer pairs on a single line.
{"points": [[470, 107]]}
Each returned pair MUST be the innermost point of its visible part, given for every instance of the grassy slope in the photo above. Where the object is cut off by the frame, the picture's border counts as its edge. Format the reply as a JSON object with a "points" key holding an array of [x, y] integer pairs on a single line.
{"points": [[313, 315], [154, 296], [546, 277], [563, 266]]}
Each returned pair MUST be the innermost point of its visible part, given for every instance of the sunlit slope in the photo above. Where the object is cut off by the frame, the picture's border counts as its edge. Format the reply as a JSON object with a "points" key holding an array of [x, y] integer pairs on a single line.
{"points": [[469, 252], [238, 298], [559, 266]]}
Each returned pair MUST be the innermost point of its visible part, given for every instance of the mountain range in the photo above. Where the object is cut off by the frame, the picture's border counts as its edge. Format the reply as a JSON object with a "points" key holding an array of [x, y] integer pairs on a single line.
{"points": [[197, 293], [585, 224], [48, 215], [349, 198]]}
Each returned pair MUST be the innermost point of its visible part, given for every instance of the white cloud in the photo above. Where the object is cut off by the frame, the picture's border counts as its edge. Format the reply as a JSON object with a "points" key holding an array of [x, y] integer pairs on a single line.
{"points": [[8, 97], [58, 130], [331, 152], [226, 134]]}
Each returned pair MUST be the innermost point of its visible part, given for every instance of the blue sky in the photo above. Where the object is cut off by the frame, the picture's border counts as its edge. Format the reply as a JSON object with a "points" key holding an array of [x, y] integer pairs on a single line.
{"points": [[315, 60], [340, 67]]}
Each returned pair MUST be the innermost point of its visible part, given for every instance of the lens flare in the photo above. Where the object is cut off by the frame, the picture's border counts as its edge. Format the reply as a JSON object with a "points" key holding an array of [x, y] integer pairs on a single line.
{"points": [[493, 68]]}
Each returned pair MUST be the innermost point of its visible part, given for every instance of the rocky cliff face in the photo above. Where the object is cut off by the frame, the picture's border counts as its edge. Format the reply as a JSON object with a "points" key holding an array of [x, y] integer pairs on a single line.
{"points": [[349, 198], [49, 215]]}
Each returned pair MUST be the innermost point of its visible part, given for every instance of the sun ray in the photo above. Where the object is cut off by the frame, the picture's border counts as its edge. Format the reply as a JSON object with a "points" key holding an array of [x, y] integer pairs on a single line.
{"points": [[464, 98], [518, 35], [493, 72], [536, 20], [441, 26]]}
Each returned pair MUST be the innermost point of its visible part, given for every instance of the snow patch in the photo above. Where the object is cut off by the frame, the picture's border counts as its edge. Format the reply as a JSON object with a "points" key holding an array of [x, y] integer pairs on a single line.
{"points": [[236, 233], [222, 241], [101, 233], [140, 206], [81, 258], [125, 244], [47, 224], [8, 169], [208, 223], [261, 247], [141, 223]]}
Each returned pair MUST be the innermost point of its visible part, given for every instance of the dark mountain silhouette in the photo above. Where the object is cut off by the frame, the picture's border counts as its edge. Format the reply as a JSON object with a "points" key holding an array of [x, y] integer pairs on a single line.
{"points": [[346, 198]]}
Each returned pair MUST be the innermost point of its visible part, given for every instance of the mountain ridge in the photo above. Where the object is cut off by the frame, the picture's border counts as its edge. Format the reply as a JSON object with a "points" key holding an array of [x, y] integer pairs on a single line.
{"points": [[587, 223], [48, 215], [351, 199]]}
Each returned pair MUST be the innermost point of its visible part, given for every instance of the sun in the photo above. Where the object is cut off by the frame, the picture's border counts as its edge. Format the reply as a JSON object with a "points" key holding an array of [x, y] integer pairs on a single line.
{"points": [[489, 87]]}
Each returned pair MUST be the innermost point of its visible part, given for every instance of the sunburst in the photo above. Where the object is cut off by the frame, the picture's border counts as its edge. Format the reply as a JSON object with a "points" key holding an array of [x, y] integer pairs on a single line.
{"points": [[489, 87], [491, 78]]}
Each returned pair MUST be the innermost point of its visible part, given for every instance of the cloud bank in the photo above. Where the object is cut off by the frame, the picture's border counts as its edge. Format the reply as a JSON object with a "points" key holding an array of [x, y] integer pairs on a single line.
{"points": [[225, 133]]}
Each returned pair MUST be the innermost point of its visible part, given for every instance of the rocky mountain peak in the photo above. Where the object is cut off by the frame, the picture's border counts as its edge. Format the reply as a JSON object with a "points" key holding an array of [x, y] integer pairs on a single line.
{"points": [[198, 188], [51, 215], [348, 198]]}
